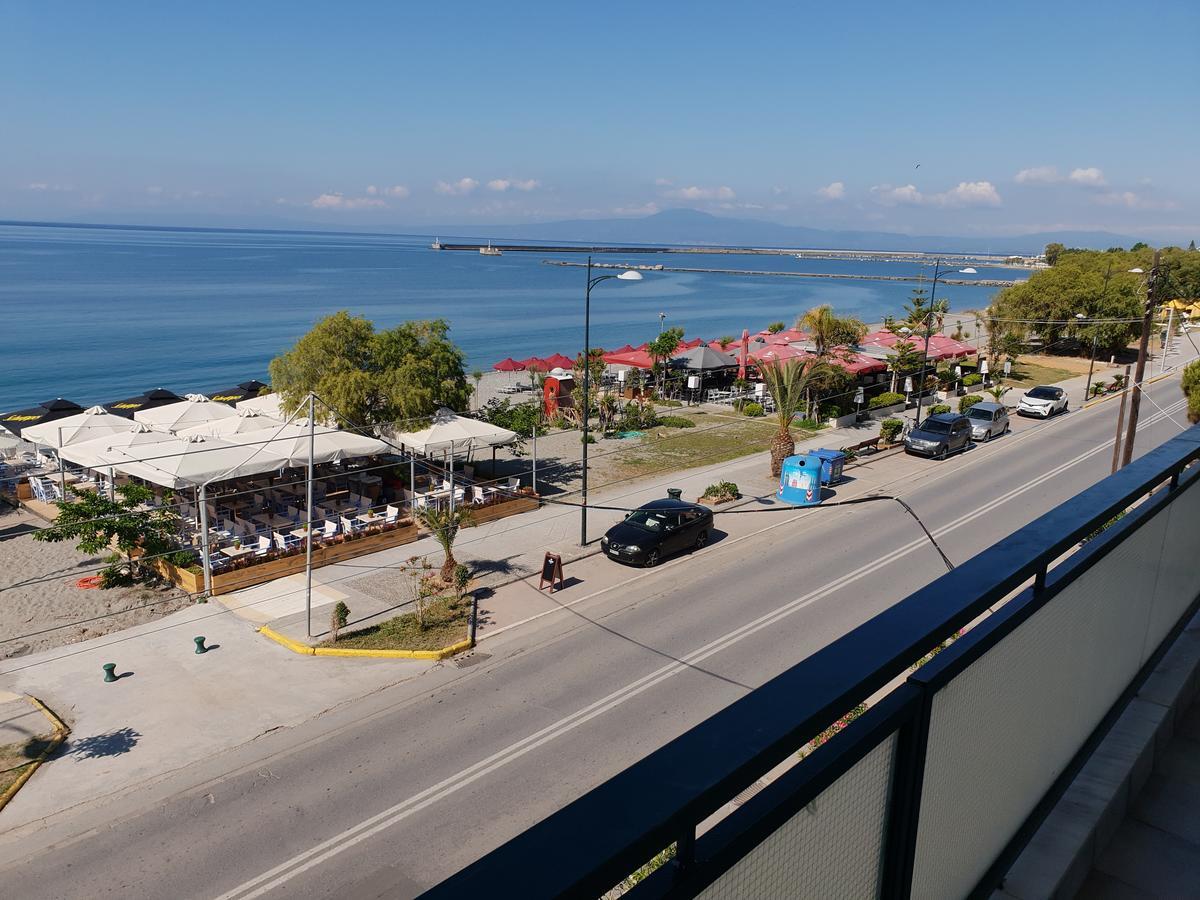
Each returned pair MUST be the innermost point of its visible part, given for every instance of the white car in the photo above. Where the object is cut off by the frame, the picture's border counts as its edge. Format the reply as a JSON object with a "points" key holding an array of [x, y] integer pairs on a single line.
{"points": [[1043, 401]]}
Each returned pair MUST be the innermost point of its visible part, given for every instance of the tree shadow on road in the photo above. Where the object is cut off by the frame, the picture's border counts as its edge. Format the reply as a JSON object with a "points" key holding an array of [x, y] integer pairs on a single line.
{"points": [[114, 743]]}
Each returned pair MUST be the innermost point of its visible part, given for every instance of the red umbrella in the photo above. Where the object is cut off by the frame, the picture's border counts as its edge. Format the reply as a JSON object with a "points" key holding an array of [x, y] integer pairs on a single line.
{"points": [[508, 364], [628, 348], [772, 353], [558, 361], [643, 347], [639, 359], [535, 362]]}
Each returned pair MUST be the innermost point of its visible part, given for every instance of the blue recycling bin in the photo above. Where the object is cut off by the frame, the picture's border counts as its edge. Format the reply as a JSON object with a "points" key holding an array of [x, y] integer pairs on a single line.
{"points": [[800, 480], [832, 462]]}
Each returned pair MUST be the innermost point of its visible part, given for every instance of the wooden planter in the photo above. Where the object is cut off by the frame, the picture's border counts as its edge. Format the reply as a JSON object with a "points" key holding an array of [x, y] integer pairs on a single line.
{"points": [[323, 555], [482, 514]]}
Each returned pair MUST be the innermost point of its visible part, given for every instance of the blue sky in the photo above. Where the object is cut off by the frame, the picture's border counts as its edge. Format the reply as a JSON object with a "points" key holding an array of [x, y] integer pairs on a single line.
{"points": [[1021, 117]]}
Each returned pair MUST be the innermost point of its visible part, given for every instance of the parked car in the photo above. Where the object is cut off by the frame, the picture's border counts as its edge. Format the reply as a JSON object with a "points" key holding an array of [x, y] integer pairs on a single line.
{"points": [[1043, 400], [939, 435], [988, 420], [657, 530]]}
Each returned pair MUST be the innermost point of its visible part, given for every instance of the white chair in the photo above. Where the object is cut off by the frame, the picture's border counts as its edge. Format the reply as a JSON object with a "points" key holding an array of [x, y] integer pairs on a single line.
{"points": [[514, 482], [460, 494], [285, 541], [349, 526], [421, 501], [264, 546], [331, 529], [392, 514], [478, 497]]}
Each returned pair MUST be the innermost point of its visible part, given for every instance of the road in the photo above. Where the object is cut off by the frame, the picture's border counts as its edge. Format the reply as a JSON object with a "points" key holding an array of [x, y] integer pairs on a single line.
{"points": [[390, 794]]}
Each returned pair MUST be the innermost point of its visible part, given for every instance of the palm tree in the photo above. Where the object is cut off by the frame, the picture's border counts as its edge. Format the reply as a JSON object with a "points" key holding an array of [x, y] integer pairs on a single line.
{"points": [[445, 523], [788, 381], [828, 331]]}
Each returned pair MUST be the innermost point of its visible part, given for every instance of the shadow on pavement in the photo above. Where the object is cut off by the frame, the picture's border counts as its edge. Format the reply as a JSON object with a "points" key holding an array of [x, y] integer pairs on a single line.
{"points": [[114, 743]]}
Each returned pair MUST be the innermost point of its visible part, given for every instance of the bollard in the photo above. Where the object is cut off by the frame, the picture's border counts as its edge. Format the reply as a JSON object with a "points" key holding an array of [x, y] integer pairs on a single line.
{"points": [[675, 493], [200, 648], [109, 670]]}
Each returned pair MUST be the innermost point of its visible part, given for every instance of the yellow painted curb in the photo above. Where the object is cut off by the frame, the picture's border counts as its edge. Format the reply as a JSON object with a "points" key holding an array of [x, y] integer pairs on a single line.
{"points": [[60, 734], [294, 646], [305, 650], [1107, 397]]}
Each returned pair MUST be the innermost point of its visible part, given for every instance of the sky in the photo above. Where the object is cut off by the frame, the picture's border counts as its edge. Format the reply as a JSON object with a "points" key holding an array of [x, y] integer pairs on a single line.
{"points": [[970, 119]]}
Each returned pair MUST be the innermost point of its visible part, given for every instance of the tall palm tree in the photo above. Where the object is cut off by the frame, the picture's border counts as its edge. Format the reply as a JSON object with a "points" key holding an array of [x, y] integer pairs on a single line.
{"points": [[788, 381], [828, 332]]}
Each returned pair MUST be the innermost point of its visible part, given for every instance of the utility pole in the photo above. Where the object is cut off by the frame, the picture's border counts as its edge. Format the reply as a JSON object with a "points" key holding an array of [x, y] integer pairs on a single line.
{"points": [[1135, 401], [1120, 422]]}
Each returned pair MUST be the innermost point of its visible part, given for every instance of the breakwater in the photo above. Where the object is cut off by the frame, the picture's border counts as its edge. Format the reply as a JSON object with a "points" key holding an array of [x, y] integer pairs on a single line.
{"points": [[846, 276]]}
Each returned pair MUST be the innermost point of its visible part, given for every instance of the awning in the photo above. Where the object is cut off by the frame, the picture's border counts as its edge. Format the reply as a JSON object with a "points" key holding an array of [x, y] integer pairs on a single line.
{"points": [[195, 410], [149, 400], [243, 391], [244, 420], [704, 359], [192, 461], [49, 411], [266, 405], [90, 454], [291, 443], [455, 433], [85, 426], [637, 359]]}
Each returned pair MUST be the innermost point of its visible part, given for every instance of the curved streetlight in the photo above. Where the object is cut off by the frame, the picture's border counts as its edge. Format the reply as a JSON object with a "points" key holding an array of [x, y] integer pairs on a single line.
{"points": [[592, 281], [938, 275]]}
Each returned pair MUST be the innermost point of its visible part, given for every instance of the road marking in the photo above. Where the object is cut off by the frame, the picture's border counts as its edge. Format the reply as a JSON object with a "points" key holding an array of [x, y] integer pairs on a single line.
{"points": [[356, 834]]}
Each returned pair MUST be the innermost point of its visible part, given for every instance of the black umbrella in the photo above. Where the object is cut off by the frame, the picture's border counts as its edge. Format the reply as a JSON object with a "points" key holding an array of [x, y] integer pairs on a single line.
{"points": [[43, 412], [243, 391], [148, 400]]}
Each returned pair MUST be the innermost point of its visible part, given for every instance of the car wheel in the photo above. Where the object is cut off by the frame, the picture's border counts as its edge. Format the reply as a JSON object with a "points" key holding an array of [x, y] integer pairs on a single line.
{"points": [[1007, 427], [943, 451], [701, 540], [652, 559], [987, 436], [1065, 405]]}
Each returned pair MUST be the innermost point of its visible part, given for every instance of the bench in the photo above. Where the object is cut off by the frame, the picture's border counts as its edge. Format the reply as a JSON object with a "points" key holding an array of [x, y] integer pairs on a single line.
{"points": [[864, 447]]}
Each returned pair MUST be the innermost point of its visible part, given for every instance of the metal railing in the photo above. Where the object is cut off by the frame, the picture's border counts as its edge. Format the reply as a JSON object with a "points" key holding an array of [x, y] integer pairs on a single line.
{"points": [[935, 789]]}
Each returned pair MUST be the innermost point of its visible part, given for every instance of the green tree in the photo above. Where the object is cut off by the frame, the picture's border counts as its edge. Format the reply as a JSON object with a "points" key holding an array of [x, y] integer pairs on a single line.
{"points": [[98, 524], [477, 377], [595, 375], [776, 327], [1053, 252], [444, 524], [788, 381], [1190, 384], [831, 336], [1140, 245], [724, 341], [371, 377], [661, 349]]}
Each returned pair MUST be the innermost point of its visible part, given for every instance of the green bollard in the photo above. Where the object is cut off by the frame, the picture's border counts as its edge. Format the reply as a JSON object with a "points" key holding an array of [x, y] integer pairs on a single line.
{"points": [[200, 648], [109, 670]]}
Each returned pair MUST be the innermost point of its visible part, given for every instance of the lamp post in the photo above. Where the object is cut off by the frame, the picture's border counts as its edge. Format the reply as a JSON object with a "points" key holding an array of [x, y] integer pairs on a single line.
{"points": [[1087, 391], [1153, 280], [662, 318], [627, 275], [938, 274]]}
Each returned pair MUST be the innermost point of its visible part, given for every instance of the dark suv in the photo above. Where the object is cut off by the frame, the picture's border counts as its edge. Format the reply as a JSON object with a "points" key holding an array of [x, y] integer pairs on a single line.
{"points": [[939, 436]]}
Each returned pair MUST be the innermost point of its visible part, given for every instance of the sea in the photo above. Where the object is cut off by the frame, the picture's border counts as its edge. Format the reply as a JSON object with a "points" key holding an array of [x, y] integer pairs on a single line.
{"points": [[96, 314]]}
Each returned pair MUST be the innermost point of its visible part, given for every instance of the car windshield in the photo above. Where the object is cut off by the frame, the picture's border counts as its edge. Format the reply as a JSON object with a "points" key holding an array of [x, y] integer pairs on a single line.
{"points": [[1043, 393], [935, 426], [985, 414], [650, 519]]}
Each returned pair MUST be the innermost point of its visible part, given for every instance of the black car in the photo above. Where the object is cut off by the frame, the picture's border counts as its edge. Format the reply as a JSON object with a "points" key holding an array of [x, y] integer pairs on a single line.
{"points": [[658, 529], [939, 436]]}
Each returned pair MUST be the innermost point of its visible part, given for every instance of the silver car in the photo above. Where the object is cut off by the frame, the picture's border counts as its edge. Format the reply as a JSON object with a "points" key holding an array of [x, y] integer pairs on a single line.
{"points": [[988, 420]]}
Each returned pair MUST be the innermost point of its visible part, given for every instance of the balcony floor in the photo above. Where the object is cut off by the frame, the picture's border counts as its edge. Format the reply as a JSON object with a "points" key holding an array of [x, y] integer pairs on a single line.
{"points": [[1156, 850]]}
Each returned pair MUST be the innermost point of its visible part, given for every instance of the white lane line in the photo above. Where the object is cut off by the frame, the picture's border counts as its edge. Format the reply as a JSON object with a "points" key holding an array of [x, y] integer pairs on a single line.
{"points": [[368, 828]]}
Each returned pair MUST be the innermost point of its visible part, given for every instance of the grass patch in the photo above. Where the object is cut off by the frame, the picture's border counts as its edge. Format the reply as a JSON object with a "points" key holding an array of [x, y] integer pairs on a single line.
{"points": [[714, 439], [1027, 372], [15, 759], [446, 623]]}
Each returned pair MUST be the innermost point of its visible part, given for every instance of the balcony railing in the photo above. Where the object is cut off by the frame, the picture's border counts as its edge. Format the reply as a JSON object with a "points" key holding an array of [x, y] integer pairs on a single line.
{"points": [[934, 790]]}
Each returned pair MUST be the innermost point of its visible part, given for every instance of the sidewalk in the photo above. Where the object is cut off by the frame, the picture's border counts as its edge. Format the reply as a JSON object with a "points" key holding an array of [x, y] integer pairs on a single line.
{"points": [[502, 551]]}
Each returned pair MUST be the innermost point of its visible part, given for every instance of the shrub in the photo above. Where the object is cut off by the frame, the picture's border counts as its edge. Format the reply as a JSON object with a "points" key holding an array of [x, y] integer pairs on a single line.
{"points": [[973, 379], [1190, 384], [588, 438], [809, 424], [339, 618], [720, 492], [968, 401], [776, 327], [669, 402], [676, 422], [754, 410], [939, 408], [889, 429], [887, 398]]}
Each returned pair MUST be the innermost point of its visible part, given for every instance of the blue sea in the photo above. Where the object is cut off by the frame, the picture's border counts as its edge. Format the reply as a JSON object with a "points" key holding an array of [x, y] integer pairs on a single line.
{"points": [[98, 314]]}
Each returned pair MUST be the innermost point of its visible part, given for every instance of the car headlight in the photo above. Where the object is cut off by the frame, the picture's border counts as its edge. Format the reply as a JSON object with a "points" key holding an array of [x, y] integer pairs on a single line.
{"points": [[632, 548]]}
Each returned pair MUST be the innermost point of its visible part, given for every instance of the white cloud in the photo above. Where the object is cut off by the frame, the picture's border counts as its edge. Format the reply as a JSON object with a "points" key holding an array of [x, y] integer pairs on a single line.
{"points": [[663, 182], [1091, 177], [504, 184], [646, 209], [499, 184], [46, 186], [965, 193], [695, 192], [341, 201], [1038, 175], [397, 191], [527, 184], [833, 191], [1131, 200], [459, 188]]}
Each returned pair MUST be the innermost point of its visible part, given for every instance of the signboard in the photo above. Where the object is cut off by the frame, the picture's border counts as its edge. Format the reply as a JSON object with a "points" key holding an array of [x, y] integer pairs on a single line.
{"points": [[908, 385], [1007, 367], [552, 569], [983, 366], [859, 396]]}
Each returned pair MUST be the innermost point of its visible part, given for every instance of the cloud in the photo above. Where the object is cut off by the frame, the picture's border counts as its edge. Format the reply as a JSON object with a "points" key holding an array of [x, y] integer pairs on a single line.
{"points": [[965, 193], [1038, 175], [46, 186], [646, 209], [701, 193], [398, 191], [1131, 200], [341, 201], [834, 191], [663, 182], [1090, 177], [459, 188]]}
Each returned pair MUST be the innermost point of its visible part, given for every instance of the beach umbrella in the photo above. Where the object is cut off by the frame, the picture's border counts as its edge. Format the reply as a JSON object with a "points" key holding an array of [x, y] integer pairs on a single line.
{"points": [[558, 361], [196, 409], [638, 359], [290, 442], [266, 405], [535, 362], [90, 454], [191, 461], [508, 364], [628, 348], [704, 359], [49, 411], [93, 422], [773, 353], [8, 444], [149, 400], [245, 420], [243, 391], [455, 433]]}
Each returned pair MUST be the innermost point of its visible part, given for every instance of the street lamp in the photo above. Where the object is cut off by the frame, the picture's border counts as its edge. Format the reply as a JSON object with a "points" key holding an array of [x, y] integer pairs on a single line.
{"points": [[938, 274], [627, 275], [662, 317], [1087, 391]]}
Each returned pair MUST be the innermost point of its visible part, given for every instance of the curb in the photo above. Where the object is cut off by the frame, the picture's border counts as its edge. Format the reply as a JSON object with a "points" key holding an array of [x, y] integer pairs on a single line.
{"points": [[1108, 397], [60, 734], [306, 650]]}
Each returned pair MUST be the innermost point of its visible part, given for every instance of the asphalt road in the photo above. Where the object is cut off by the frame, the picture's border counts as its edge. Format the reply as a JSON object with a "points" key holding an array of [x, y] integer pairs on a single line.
{"points": [[407, 785]]}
